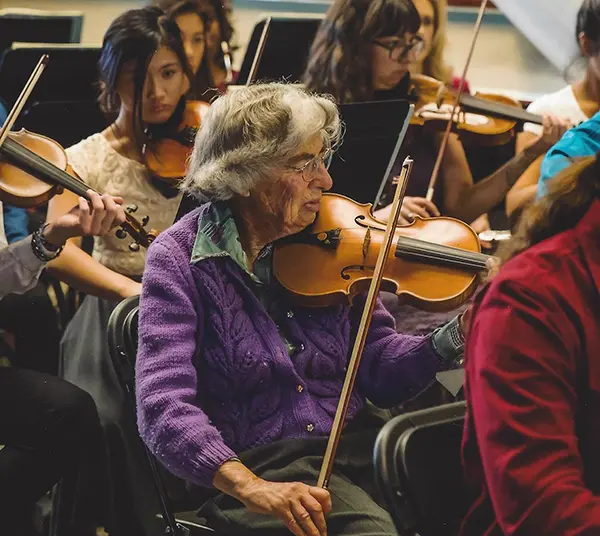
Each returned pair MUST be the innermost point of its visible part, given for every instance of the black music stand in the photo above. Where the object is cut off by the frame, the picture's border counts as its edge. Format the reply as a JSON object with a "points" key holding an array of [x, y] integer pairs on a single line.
{"points": [[35, 26], [71, 73], [286, 49], [66, 122], [361, 168]]}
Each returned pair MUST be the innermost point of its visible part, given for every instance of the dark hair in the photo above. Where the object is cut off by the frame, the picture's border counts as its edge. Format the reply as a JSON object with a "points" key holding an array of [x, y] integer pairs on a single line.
{"points": [[222, 13], [202, 81], [135, 36], [340, 56], [570, 195], [588, 23]]}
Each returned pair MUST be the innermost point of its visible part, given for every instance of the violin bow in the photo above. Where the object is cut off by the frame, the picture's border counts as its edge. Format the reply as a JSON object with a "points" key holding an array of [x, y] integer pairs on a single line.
{"points": [[363, 328], [22, 99], [259, 50], [131, 225], [438, 163], [227, 62]]}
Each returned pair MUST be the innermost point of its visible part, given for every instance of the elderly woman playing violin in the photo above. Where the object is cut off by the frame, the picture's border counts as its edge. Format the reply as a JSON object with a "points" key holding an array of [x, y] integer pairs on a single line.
{"points": [[237, 386]]}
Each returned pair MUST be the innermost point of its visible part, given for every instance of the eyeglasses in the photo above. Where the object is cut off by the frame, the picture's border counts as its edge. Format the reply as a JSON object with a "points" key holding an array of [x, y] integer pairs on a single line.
{"points": [[398, 50], [310, 169]]}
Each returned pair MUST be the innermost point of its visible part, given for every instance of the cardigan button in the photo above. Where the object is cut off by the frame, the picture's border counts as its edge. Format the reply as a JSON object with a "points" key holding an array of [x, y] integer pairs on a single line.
{"points": [[300, 388], [310, 427], [290, 314]]}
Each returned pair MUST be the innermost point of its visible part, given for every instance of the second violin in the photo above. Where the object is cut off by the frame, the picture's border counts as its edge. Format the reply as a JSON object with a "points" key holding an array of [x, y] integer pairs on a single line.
{"points": [[483, 119]]}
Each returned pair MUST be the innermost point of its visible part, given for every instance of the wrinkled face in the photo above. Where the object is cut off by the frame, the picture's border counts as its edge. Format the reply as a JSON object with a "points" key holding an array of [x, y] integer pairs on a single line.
{"points": [[427, 29], [164, 86], [191, 27], [293, 200], [387, 71]]}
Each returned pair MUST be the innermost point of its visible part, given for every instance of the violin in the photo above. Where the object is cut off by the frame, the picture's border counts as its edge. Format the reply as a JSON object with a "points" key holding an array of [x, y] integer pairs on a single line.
{"points": [[433, 264], [33, 168], [492, 122], [167, 155]]}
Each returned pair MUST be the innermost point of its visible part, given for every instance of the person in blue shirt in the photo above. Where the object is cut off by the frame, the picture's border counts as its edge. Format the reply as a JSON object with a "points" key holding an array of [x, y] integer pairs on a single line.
{"points": [[16, 220], [583, 140]]}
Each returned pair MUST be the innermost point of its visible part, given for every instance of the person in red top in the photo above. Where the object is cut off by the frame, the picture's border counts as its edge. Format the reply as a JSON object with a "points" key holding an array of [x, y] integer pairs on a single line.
{"points": [[532, 434]]}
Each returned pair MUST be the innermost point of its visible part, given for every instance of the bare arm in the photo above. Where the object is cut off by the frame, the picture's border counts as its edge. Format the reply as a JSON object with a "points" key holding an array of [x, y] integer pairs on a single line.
{"points": [[525, 188], [467, 201], [79, 270]]}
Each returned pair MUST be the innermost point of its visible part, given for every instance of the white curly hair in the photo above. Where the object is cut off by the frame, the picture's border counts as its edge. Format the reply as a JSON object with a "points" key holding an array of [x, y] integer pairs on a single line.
{"points": [[248, 133]]}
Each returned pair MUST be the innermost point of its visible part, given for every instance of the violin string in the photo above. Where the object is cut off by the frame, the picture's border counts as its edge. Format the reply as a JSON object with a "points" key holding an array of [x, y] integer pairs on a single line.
{"points": [[37, 163], [26, 156], [419, 245], [437, 252]]}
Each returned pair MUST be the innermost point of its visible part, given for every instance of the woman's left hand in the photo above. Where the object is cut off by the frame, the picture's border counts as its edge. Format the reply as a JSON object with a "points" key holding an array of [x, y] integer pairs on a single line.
{"points": [[411, 207], [95, 217], [554, 128]]}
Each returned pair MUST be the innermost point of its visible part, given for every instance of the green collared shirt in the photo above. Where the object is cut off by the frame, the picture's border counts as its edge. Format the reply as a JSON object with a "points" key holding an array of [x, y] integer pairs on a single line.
{"points": [[218, 236]]}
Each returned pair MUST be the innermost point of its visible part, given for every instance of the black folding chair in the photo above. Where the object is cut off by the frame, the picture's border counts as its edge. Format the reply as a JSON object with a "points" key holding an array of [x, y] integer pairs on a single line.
{"points": [[418, 469], [122, 342]]}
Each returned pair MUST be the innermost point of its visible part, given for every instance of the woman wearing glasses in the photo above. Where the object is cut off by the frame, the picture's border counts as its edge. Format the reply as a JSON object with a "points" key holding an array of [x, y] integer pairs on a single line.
{"points": [[364, 51], [236, 385]]}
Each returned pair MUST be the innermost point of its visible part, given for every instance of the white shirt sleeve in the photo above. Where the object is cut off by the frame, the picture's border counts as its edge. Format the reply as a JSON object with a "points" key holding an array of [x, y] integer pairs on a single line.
{"points": [[19, 267], [561, 103]]}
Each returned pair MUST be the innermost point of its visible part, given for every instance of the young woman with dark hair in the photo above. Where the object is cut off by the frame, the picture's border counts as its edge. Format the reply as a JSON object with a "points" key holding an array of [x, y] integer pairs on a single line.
{"points": [[532, 431], [143, 80], [364, 51], [217, 32]]}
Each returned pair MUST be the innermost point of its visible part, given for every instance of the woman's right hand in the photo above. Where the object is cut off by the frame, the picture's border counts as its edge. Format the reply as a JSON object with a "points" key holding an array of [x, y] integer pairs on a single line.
{"points": [[301, 507], [411, 207]]}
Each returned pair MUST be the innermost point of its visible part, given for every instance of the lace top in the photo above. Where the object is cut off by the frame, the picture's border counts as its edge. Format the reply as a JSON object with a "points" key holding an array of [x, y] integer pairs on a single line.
{"points": [[107, 171]]}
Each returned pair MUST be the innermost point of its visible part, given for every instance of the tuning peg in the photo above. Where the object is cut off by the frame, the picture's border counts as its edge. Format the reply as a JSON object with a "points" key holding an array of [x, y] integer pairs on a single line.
{"points": [[134, 246], [120, 233], [145, 221], [131, 208]]}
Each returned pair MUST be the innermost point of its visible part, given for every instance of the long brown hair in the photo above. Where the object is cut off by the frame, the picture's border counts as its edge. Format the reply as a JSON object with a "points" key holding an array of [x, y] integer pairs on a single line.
{"points": [[340, 56], [434, 64], [202, 80], [570, 195]]}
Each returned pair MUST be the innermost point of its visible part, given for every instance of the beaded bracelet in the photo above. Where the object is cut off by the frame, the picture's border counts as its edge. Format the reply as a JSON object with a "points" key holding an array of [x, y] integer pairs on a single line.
{"points": [[42, 249]]}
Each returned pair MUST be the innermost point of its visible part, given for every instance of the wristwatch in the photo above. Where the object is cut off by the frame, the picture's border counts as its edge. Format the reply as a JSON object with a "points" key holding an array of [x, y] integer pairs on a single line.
{"points": [[449, 342]]}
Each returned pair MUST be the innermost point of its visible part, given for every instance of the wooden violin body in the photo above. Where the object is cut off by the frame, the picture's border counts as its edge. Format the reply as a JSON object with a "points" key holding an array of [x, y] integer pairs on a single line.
{"points": [[484, 118], [167, 157], [434, 263], [33, 168]]}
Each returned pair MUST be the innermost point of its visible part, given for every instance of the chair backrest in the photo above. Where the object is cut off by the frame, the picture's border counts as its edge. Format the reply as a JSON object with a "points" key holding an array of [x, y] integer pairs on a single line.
{"points": [[122, 342], [418, 469], [71, 73], [32, 25], [286, 49]]}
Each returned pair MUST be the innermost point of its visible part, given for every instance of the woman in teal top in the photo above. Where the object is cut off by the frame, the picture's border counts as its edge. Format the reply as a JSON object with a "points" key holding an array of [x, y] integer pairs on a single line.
{"points": [[583, 140]]}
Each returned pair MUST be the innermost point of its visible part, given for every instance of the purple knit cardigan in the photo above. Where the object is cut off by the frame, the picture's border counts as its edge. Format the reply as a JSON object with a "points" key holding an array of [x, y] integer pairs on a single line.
{"points": [[213, 376]]}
